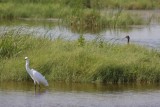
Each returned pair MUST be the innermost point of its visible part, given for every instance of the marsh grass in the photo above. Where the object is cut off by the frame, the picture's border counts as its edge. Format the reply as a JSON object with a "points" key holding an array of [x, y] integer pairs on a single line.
{"points": [[95, 21], [93, 61], [130, 5], [86, 21], [12, 9], [122, 19], [29, 10], [79, 15]]}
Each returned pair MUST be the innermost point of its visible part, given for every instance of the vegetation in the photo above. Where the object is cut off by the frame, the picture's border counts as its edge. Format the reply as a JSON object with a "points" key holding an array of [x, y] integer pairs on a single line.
{"points": [[77, 61], [80, 15], [128, 4], [125, 4], [80, 60], [93, 21]]}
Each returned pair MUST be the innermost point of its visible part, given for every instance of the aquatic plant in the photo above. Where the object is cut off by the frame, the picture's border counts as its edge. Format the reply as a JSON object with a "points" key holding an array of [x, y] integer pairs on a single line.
{"points": [[85, 21], [95, 21], [127, 4], [81, 40], [62, 60], [91, 9]]}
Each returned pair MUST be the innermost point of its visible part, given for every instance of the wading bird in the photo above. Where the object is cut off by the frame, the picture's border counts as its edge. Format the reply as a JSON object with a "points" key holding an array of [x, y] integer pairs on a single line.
{"points": [[35, 75], [128, 39]]}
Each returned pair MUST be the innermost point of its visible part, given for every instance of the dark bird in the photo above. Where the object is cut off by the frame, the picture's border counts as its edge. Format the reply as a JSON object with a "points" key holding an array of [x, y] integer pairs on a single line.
{"points": [[128, 39]]}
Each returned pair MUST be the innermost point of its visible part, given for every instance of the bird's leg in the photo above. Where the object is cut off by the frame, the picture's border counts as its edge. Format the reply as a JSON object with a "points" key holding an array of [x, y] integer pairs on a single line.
{"points": [[39, 86], [35, 85]]}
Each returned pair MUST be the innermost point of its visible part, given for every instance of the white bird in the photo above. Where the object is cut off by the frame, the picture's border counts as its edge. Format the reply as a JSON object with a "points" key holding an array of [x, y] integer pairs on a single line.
{"points": [[35, 75]]}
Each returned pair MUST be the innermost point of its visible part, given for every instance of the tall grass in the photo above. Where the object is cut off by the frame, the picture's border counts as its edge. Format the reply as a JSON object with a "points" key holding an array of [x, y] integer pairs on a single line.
{"points": [[79, 15], [30, 10], [93, 61], [128, 4], [86, 21], [125, 4], [95, 21]]}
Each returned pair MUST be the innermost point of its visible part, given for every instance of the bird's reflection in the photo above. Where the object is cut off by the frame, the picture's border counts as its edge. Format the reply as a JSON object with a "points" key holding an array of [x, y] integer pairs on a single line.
{"points": [[40, 92]]}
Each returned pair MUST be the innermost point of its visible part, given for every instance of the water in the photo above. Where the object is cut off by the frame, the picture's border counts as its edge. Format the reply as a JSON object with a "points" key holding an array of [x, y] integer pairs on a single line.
{"points": [[142, 35], [59, 94]]}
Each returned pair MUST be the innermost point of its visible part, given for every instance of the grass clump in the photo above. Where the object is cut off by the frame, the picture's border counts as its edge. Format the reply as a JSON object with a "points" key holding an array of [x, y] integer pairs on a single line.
{"points": [[86, 21], [130, 5], [96, 21], [121, 19], [80, 15], [82, 11], [79, 61], [10, 45]]}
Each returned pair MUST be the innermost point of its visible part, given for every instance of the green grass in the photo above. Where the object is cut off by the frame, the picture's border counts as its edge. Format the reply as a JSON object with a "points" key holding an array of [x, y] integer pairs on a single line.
{"points": [[76, 13], [94, 21], [98, 4], [134, 4], [77, 61], [30, 10]]}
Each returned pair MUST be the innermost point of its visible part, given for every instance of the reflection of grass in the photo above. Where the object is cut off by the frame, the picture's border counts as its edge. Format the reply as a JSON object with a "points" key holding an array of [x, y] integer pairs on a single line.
{"points": [[93, 61]]}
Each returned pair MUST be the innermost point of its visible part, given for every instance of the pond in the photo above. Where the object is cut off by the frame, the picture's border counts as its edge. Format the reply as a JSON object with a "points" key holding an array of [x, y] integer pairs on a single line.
{"points": [[60, 94], [142, 35]]}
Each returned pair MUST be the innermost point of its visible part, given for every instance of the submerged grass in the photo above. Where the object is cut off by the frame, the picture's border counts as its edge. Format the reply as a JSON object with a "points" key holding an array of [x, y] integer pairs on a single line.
{"points": [[62, 60]]}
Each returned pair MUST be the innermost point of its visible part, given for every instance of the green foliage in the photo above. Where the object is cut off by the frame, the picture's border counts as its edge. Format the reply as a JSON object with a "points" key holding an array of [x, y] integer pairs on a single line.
{"points": [[86, 21], [61, 60], [128, 4], [10, 45], [78, 3], [81, 40], [93, 21], [122, 19], [79, 15]]}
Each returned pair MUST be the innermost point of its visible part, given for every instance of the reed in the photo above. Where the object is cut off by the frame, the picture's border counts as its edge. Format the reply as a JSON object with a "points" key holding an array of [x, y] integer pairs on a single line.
{"points": [[112, 4], [131, 5], [95, 21], [14, 9], [79, 15], [77, 61]]}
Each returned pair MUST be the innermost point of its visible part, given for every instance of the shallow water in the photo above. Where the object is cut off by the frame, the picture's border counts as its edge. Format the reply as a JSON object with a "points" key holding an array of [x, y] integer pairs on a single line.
{"points": [[59, 94], [143, 35]]}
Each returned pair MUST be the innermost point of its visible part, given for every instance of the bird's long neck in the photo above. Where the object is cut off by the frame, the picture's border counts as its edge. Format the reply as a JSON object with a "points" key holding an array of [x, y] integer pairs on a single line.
{"points": [[27, 66]]}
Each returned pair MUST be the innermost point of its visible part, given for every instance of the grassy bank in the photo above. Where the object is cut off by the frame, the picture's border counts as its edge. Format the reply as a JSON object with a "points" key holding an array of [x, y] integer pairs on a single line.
{"points": [[12, 9], [99, 4], [77, 61], [131, 5], [80, 15], [94, 21]]}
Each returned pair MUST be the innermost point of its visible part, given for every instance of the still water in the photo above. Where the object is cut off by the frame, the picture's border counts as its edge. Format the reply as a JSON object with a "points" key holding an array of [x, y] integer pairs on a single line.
{"points": [[147, 35], [60, 94]]}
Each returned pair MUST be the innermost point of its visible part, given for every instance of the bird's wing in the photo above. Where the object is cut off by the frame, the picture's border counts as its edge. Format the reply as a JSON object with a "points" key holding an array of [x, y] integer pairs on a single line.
{"points": [[31, 75], [39, 77]]}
